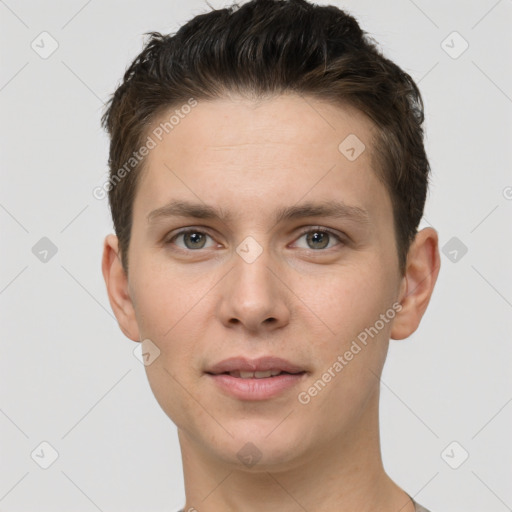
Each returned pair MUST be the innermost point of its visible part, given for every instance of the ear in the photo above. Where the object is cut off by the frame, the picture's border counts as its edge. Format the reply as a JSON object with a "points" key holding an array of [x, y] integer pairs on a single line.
{"points": [[422, 269], [117, 288]]}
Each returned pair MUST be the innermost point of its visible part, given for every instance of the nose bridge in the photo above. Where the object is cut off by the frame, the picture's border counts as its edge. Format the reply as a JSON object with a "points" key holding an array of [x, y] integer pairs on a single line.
{"points": [[254, 296], [252, 262]]}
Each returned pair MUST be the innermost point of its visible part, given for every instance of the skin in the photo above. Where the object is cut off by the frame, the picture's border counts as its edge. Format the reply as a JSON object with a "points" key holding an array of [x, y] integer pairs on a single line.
{"points": [[297, 300]]}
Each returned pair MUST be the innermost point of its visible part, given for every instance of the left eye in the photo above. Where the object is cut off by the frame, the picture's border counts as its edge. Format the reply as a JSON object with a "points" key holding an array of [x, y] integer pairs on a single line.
{"points": [[318, 238]]}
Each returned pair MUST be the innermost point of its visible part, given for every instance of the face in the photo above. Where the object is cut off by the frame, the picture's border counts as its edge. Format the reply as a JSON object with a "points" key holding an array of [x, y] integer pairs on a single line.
{"points": [[255, 236]]}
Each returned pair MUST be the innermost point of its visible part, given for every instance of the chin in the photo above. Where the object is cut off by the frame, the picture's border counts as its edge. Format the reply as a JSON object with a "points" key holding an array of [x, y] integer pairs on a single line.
{"points": [[260, 445]]}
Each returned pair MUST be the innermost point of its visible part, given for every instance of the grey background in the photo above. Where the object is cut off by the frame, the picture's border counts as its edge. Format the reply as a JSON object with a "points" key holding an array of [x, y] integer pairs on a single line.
{"points": [[68, 375]]}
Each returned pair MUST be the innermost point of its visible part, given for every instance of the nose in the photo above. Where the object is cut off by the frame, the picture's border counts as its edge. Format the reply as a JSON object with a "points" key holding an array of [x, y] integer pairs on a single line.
{"points": [[253, 296]]}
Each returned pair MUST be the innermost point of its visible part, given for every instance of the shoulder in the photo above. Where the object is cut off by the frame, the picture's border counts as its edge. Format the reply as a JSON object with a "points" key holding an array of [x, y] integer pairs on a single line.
{"points": [[418, 507]]}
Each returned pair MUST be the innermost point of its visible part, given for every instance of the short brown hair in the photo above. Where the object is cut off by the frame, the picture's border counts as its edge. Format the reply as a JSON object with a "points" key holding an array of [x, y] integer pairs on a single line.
{"points": [[261, 49]]}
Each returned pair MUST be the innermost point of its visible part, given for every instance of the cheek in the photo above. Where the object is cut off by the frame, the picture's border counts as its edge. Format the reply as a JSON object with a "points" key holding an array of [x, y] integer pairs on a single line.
{"points": [[348, 300], [165, 298], [173, 310], [351, 354], [168, 309]]}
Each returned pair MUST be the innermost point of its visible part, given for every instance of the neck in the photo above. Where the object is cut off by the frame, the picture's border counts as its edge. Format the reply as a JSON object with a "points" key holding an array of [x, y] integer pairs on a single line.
{"points": [[345, 475]]}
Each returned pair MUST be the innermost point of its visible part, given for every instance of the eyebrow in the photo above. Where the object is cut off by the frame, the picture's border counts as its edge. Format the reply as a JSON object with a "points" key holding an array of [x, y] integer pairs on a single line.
{"points": [[333, 209]]}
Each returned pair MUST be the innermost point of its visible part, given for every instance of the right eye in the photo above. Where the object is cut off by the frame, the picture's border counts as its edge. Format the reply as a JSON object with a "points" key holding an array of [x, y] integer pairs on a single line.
{"points": [[193, 239]]}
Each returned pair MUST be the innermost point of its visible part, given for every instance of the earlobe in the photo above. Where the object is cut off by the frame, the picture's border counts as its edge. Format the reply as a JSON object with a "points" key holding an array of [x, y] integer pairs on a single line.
{"points": [[117, 288], [423, 265]]}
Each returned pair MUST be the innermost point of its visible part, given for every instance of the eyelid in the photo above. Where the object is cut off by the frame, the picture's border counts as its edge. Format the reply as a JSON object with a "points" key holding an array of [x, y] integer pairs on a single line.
{"points": [[341, 237], [307, 229], [183, 231]]}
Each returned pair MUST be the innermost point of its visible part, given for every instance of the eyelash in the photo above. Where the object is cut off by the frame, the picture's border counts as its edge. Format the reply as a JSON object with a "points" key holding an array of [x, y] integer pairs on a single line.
{"points": [[318, 229]]}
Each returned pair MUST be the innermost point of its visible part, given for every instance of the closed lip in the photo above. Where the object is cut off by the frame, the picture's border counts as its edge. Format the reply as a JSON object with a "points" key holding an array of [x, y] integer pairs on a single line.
{"points": [[260, 364]]}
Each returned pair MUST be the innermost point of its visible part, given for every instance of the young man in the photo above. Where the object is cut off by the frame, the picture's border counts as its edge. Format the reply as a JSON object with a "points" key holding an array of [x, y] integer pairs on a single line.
{"points": [[268, 176]]}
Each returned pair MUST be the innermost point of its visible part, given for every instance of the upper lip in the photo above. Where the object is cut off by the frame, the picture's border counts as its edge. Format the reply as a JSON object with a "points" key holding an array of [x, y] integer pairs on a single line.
{"points": [[260, 364]]}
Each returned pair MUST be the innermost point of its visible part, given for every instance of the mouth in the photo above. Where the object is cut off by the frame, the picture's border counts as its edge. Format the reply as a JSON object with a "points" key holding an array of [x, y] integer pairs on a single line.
{"points": [[255, 379], [257, 375], [262, 367]]}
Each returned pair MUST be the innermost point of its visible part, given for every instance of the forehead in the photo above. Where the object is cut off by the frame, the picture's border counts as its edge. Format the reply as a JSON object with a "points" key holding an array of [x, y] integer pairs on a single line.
{"points": [[267, 152], [308, 126]]}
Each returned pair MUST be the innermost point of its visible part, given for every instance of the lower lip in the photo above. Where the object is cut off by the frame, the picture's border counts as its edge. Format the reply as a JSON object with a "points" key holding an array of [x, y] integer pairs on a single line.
{"points": [[257, 389]]}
